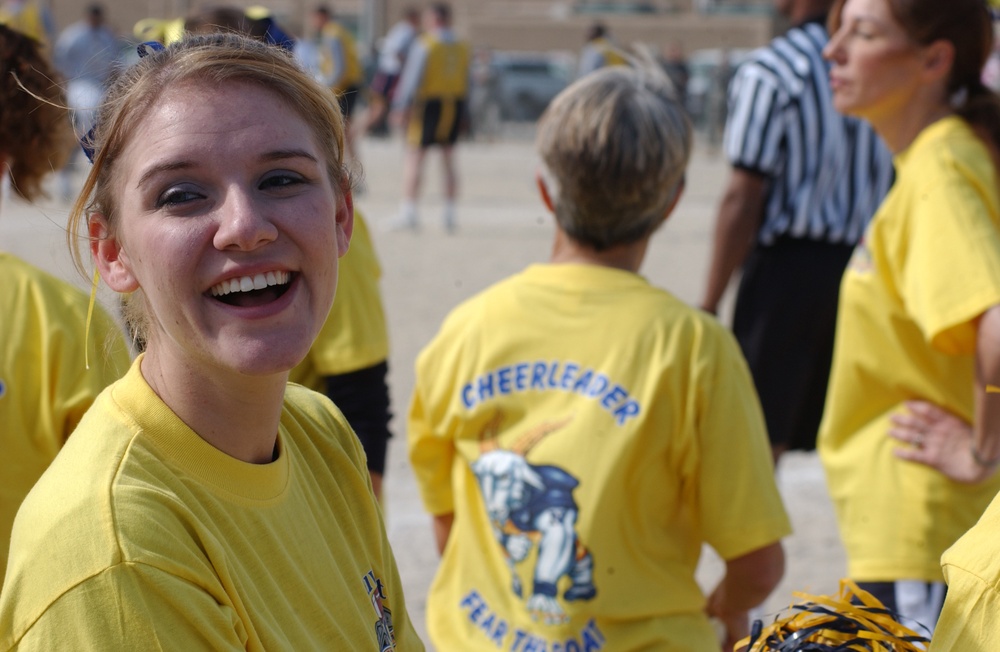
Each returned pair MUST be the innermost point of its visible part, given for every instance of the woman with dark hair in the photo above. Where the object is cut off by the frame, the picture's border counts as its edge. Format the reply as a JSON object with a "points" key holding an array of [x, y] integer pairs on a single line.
{"points": [[50, 373], [911, 435]]}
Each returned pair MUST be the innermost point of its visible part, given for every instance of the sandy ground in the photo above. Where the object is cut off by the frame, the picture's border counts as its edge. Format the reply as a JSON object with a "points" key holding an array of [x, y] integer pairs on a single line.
{"points": [[502, 228]]}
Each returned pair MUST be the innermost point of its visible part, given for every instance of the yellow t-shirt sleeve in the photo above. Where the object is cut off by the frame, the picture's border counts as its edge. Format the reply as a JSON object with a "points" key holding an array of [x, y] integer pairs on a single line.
{"points": [[431, 423], [432, 455], [135, 607], [739, 505], [951, 265], [968, 621]]}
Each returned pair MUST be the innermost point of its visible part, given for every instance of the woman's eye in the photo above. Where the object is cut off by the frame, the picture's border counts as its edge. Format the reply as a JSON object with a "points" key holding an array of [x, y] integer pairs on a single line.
{"points": [[175, 197], [281, 181], [862, 31]]}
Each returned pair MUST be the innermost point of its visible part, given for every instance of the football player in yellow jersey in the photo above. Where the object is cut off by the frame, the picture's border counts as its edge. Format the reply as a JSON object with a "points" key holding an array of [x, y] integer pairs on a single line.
{"points": [[339, 66], [431, 102], [28, 18], [599, 51]]}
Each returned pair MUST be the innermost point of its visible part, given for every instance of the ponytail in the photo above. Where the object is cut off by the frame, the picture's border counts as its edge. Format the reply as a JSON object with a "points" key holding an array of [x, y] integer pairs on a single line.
{"points": [[980, 107]]}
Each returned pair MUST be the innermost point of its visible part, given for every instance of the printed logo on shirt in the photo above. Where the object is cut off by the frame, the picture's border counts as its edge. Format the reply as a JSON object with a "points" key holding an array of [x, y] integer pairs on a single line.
{"points": [[3, 388], [532, 510], [498, 631], [384, 632], [552, 376], [861, 259]]}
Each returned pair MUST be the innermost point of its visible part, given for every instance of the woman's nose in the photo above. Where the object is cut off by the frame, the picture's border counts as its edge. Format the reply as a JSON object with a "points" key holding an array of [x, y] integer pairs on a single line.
{"points": [[833, 50], [244, 222]]}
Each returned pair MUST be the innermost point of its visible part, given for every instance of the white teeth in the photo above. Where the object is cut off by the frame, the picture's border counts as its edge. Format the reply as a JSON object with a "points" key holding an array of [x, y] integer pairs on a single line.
{"points": [[249, 283]]}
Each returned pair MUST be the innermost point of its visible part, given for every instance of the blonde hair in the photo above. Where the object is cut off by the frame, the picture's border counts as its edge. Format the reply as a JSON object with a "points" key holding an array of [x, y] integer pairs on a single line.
{"points": [[614, 147], [216, 58]]}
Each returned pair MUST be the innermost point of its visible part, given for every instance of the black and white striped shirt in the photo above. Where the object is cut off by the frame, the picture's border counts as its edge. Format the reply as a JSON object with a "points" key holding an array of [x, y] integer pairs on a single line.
{"points": [[828, 172]]}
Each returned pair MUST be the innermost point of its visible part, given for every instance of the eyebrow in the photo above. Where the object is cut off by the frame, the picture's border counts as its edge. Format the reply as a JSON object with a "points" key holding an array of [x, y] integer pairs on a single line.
{"points": [[281, 154], [274, 155], [163, 167]]}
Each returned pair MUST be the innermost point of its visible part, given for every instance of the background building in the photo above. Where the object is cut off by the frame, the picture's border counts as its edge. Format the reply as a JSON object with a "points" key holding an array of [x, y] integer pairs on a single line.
{"points": [[519, 25]]}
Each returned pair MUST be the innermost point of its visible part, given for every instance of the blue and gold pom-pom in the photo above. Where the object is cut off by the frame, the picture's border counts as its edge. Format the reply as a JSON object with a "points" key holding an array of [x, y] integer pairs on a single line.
{"points": [[853, 621]]}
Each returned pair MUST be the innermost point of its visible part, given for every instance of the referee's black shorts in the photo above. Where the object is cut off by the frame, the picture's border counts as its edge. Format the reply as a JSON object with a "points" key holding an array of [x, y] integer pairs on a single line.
{"points": [[436, 122], [784, 320]]}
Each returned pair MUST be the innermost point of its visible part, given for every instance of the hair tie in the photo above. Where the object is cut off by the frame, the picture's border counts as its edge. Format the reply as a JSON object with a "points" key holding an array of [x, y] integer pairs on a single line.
{"points": [[87, 144], [147, 48], [87, 141]]}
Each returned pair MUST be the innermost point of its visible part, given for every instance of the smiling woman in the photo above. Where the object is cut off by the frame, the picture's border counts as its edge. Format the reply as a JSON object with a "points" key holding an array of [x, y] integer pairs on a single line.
{"points": [[227, 188], [203, 503]]}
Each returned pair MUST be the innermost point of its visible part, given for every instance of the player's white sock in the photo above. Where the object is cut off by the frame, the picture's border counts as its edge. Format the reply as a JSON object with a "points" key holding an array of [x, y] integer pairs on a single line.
{"points": [[449, 216], [408, 211], [406, 218]]}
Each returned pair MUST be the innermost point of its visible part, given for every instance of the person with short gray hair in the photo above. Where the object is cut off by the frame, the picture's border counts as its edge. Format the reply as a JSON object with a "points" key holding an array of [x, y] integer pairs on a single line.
{"points": [[578, 433], [623, 132]]}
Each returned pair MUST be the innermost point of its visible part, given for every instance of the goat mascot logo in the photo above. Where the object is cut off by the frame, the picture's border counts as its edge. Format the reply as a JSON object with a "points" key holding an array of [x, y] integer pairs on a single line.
{"points": [[531, 506]]}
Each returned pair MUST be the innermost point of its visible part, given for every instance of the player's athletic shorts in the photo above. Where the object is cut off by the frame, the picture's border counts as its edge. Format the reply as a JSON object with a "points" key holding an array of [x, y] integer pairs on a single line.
{"points": [[784, 320], [435, 122], [363, 397], [348, 99], [384, 84]]}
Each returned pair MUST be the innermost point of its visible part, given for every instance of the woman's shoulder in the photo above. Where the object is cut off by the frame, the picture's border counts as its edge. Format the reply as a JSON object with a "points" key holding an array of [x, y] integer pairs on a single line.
{"points": [[309, 407], [314, 424], [947, 151]]}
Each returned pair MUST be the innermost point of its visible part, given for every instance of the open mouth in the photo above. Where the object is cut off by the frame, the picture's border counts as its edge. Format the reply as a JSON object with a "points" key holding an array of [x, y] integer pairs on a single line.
{"points": [[252, 291]]}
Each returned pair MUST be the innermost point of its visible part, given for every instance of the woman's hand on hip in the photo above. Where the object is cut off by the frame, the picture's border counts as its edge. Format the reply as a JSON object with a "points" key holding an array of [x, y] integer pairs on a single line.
{"points": [[938, 439]]}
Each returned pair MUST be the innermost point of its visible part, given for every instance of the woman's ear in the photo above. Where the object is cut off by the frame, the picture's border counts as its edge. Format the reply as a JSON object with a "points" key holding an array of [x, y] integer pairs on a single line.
{"points": [[938, 60], [345, 222], [111, 259]]}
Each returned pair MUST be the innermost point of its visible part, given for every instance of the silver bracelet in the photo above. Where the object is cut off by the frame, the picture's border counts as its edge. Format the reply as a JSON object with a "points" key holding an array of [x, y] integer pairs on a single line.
{"points": [[980, 460]]}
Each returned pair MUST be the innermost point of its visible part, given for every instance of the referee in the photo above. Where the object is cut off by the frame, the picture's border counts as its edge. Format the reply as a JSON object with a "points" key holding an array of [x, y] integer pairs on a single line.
{"points": [[431, 101], [804, 183]]}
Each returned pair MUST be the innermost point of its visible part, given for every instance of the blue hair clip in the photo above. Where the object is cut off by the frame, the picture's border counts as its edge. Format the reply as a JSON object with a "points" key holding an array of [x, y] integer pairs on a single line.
{"points": [[148, 48], [87, 142]]}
